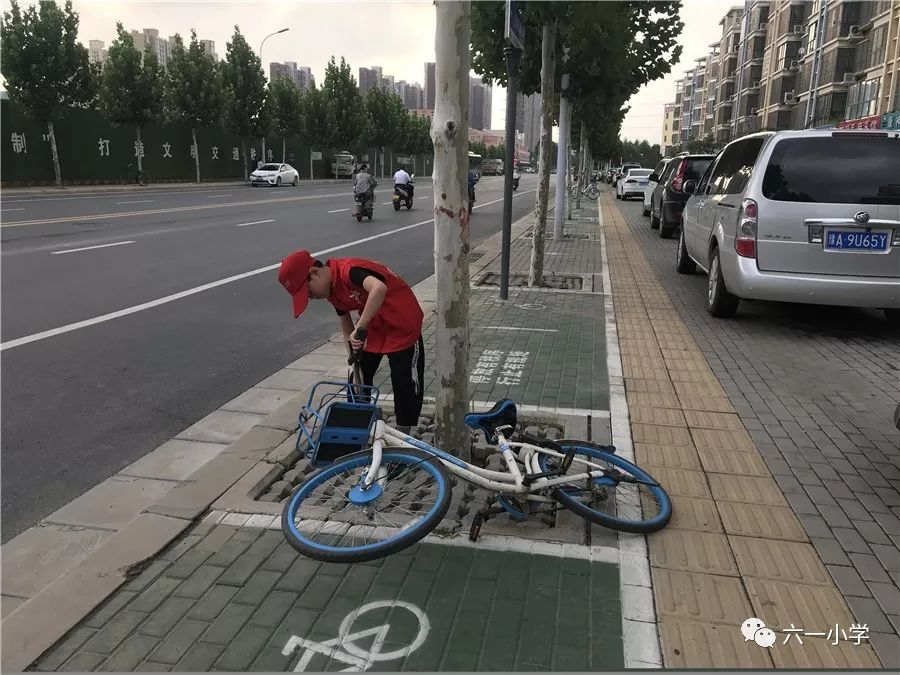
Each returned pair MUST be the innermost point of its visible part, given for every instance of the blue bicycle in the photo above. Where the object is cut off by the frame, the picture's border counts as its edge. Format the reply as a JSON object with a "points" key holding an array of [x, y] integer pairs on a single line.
{"points": [[369, 500]]}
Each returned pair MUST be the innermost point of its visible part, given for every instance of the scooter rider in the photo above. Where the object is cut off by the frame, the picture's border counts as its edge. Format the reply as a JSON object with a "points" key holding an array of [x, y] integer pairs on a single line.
{"points": [[364, 184], [404, 179]]}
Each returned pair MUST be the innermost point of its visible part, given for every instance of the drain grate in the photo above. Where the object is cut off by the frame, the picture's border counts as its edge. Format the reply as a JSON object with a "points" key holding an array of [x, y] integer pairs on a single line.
{"points": [[474, 255], [564, 282], [568, 236]]}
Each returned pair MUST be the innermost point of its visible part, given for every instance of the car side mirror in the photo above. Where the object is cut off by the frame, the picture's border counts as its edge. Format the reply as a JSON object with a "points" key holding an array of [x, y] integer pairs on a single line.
{"points": [[653, 177], [689, 187]]}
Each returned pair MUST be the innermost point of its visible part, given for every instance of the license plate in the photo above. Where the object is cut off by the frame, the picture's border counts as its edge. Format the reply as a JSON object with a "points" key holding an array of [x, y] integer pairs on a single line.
{"points": [[843, 240]]}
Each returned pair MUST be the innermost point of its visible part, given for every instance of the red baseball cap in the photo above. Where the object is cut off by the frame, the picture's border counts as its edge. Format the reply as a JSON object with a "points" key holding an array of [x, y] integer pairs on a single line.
{"points": [[294, 275]]}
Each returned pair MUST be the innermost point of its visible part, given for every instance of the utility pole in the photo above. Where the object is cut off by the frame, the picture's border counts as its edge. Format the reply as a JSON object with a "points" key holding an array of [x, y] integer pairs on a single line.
{"points": [[562, 153]]}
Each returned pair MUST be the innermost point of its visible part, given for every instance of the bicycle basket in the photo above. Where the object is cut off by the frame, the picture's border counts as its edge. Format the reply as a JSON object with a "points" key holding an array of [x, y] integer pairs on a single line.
{"points": [[337, 421]]}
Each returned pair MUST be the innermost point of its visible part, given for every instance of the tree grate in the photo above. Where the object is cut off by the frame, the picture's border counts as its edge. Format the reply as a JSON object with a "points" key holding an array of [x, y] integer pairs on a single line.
{"points": [[555, 281]]}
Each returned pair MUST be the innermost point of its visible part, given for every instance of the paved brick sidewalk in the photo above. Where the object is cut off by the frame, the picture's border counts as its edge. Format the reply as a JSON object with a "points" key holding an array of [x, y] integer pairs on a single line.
{"points": [[543, 347], [773, 433], [231, 597]]}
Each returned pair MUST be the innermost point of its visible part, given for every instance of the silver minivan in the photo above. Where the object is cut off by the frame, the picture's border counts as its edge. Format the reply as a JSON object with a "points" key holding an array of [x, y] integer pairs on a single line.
{"points": [[798, 216]]}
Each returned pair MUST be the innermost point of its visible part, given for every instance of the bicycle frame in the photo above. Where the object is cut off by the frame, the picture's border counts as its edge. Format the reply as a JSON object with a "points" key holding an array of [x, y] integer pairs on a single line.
{"points": [[502, 482]]}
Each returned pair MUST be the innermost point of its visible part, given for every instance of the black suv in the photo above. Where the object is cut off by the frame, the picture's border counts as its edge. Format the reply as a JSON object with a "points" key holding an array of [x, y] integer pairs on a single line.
{"points": [[668, 198]]}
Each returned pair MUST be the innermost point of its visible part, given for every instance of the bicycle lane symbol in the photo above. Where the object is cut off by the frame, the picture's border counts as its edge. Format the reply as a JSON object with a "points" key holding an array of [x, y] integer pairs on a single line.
{"points": [[344, 647]]}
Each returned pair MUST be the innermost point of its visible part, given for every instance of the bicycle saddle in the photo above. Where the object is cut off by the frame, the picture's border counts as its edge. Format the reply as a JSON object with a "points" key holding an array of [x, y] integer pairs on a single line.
{"points": [[502, 414]]}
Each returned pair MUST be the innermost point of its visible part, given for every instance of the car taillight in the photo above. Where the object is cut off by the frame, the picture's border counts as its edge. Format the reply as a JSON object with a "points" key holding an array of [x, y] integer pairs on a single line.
{"points": [[631, 180], [678, 181], [745, 238]]}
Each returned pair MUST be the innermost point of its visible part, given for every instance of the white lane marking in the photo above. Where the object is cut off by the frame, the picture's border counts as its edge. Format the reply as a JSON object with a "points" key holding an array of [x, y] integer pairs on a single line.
{"points": [[534, 330], [153, 212], [90, 248], [228, 194], [337, 211], [103, 318], [6, 209], [137, 201], [386, 203], [255, 222]]}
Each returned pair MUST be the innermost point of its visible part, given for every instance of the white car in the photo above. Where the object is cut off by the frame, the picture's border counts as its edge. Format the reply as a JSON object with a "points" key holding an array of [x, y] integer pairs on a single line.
{"points": [[633, 183], [651, 185], [275, 175]]}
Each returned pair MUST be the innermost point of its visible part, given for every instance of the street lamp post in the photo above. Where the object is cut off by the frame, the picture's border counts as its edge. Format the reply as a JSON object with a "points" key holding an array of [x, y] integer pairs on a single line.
{"points": [[261, 44]]}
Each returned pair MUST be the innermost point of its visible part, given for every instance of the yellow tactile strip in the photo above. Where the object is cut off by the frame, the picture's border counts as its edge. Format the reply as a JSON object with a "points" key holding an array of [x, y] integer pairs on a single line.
{"points": [[734, 549]]}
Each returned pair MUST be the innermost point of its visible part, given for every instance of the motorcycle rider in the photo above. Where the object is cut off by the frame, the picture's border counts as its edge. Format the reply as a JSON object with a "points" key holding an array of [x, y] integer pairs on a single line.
{"points": [[473, 178], [364, 183], [404, 179], [516, 177]]}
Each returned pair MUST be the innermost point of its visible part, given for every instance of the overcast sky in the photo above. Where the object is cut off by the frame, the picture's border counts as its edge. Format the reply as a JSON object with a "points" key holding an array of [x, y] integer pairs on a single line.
{"points": [[396, 35]]}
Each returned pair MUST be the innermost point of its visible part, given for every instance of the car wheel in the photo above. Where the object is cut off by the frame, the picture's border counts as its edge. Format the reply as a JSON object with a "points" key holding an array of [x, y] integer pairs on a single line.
{"points": [[296, 181], [720, 302], [665, 229], [892, 316], [645, 212], [683, 262], [278, 182], [654, 219], [618, 196]]}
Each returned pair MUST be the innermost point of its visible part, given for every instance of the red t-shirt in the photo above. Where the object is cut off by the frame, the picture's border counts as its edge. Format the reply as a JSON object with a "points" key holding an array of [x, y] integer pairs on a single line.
{"points": [[398, 322]]}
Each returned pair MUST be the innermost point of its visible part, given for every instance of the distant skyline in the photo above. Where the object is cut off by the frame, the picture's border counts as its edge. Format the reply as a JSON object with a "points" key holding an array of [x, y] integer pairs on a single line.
{"points": [[378, 34]]}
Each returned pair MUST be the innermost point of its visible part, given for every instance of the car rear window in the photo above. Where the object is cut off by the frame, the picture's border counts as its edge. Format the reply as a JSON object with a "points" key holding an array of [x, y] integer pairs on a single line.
{"points": [[696, 167], [639, 173], [835, 170]]}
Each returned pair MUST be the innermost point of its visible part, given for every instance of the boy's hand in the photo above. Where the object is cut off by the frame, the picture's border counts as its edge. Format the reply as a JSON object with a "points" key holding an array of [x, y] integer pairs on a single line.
{"points": [[355, 343]]}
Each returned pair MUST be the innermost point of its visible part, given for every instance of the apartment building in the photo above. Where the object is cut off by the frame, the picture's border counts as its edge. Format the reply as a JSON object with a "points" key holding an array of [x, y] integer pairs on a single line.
{"points": [[301, 76], [669, 132], [793, 64]]}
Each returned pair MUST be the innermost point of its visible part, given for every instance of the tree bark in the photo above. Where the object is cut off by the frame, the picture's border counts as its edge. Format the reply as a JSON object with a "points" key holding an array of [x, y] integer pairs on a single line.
{"points": [[54, 153], [137, 152], [283, 151], [264, 158], [196, 152], [450, 136], [548, 67]]}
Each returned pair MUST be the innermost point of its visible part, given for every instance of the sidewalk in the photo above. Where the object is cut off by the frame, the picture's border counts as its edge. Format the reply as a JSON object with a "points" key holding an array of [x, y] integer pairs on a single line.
{"points": [[227, 593]]}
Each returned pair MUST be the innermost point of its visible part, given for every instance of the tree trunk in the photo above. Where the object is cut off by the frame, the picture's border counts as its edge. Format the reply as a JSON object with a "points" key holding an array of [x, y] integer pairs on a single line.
{"points": [[548, 67], [246, 159], [137, 149], [283, 152], [55, 154], [450, 135], [196, 153], [581, 163], [264, 158]]}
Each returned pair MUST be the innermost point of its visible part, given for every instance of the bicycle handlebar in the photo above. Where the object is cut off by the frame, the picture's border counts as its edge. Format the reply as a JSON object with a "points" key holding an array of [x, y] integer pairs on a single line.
{"points": [[354, 353]]}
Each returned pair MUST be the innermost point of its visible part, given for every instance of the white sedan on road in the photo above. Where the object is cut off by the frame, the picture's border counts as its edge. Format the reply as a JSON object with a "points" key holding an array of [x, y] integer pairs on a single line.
{"points": [[633, 183], [275, 174]]}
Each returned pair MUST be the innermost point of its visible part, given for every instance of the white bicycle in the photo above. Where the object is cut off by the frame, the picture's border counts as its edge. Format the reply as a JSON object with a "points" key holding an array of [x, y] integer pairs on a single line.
{"points": [[368, 499]]}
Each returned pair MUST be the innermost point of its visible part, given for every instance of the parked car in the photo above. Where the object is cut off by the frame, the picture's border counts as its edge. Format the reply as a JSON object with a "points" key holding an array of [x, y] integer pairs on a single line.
{"points": [[611, 174], [807, 216], [633, 184], [669, 197], [624, 170], [651, 184], [275, 175]]}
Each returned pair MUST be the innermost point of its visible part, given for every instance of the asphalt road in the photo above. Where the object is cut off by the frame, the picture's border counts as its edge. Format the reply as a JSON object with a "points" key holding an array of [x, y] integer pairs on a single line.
{"points": [[84, 393]]}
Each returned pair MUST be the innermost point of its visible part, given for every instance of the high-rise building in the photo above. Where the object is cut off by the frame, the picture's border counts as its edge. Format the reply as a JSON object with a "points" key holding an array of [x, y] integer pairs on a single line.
{"points": [[429, 86], [301, 76], [368, 78], [520, 112], [476, 104], [96, 52], [668, 128], [532, 123], [210, 47], [487, 95]]}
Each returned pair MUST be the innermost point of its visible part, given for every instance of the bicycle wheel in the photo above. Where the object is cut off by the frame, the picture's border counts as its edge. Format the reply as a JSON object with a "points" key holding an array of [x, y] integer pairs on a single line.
{"points": [[615, 500], [328, 518]]}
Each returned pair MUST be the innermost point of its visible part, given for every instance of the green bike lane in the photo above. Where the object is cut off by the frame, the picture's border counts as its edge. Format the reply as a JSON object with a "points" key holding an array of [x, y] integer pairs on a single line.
{"points": [[236, 598]]}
